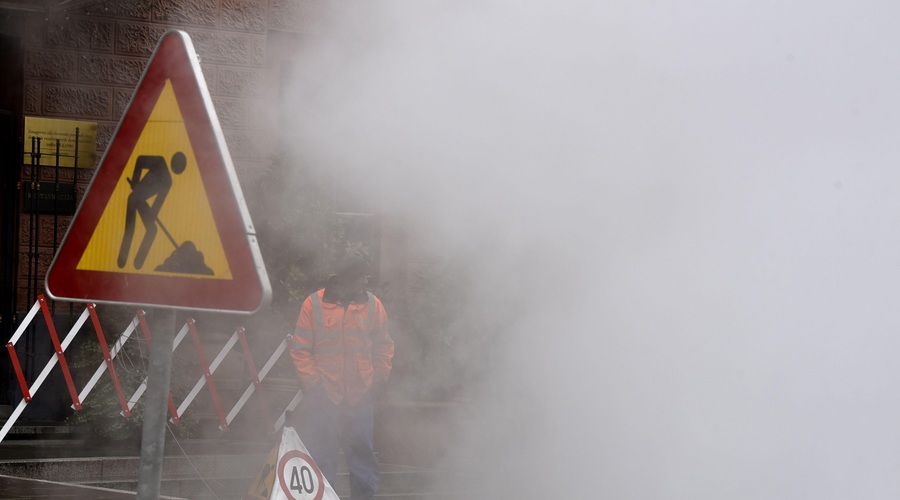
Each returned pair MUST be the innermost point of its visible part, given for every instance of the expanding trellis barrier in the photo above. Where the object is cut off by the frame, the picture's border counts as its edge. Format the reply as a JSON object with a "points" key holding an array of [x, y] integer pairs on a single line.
{"points": [[107, 366]]}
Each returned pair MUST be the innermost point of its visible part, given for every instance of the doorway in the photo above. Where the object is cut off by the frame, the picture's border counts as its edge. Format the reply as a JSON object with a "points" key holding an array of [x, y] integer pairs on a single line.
{"points": [[11, 122]]}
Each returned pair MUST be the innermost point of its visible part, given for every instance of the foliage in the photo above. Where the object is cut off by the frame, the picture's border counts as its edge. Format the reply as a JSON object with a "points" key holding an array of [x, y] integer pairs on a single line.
{"points": [[101, 412]]}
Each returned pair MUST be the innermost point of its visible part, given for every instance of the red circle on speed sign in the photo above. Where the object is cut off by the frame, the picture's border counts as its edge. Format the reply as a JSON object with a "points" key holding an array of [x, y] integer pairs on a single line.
{"points": [[300, 477]]}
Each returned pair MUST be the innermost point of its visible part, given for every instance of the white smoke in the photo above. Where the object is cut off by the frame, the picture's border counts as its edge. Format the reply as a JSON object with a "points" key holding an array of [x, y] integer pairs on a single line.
{"points": [[685, 212]]}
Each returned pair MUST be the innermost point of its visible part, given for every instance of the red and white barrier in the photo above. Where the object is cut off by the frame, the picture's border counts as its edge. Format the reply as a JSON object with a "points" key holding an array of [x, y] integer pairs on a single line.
{"points": [[108, 357], [257, 377], [256, 386], [207, 378], [58, 357], [143, 387], [107, 365]]}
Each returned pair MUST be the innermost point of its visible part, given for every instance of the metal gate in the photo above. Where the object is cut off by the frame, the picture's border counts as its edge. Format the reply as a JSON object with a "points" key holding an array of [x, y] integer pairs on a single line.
{"points": [[39, 199]]}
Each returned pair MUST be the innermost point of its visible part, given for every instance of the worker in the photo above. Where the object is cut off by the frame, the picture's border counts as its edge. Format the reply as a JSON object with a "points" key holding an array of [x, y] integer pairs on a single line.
{"points": [[342, 352]]}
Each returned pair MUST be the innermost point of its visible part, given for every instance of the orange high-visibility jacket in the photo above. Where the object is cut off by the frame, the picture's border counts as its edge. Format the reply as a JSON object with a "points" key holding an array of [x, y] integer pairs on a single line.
{"points": [[343, 347]]}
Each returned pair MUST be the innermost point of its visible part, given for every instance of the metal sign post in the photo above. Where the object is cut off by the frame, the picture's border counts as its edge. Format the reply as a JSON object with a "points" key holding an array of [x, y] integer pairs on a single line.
{"points": [[153, 433]]}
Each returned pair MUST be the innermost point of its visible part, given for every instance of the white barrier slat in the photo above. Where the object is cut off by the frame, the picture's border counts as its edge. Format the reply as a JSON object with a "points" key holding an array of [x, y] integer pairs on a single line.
{"points": [[112, 355], [271, 362], [240, 404], [212, 369], [143, 387], [75, 328], [43, 375], [12, 418], [25, 322], [262, 374], [290, 407]]}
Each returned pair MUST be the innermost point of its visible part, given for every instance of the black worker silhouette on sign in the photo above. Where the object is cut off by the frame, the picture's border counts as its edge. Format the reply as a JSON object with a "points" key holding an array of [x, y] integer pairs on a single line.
{"points": [[151, 179]]}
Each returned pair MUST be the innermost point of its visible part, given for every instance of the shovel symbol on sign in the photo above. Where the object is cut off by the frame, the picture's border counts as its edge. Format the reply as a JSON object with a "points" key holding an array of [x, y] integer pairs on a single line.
{"points": [[151, 179]]}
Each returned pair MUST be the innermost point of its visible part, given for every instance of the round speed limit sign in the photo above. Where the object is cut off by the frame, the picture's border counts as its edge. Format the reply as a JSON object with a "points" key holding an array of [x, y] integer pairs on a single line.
{"points": [[299, 476]]}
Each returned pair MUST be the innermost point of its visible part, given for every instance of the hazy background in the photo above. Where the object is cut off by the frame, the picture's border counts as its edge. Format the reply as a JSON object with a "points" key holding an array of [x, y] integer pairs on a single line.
{"points": [[684, 214]]}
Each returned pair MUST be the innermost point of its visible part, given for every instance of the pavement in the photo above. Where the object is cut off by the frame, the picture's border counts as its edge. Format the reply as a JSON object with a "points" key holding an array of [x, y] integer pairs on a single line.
{"points": [[41, 443], [50, 463], [61, 461], [17, 488]]}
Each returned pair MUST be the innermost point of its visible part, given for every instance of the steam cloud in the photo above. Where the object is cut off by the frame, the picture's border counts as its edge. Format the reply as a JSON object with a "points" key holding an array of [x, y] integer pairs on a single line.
{"points": [[685, 214]]}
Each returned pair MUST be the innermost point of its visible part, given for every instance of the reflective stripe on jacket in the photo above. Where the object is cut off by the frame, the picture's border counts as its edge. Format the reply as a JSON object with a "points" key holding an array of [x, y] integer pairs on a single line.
{"points": [[344, 347]]}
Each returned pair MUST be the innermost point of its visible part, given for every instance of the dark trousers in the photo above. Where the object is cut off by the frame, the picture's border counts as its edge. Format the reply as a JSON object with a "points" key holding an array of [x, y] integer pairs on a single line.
{"points": [[325, 428]]}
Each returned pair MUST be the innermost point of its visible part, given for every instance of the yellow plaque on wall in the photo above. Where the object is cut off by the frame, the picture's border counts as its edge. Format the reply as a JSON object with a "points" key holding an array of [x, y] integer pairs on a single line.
{"points": [[49, 130]]}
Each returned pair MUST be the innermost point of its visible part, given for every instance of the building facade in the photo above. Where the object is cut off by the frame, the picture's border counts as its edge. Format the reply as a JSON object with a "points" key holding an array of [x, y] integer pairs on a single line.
{"points": [[79, 61]]}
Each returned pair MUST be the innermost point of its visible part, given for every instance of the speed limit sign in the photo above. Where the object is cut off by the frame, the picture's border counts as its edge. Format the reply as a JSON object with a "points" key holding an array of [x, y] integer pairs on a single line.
{"points": [[300, 477]]}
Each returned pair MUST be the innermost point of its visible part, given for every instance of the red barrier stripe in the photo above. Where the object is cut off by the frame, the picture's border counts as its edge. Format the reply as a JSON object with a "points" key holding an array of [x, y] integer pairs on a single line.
{"points": [[76, 403], [251, 367], [123, 403], [201, 356], [21, 376], [173, 411], [142, 320]]}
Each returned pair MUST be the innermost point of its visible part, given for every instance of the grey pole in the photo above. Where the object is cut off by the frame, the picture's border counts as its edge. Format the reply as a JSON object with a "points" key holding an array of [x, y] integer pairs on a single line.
{"points": [[153, 432]]}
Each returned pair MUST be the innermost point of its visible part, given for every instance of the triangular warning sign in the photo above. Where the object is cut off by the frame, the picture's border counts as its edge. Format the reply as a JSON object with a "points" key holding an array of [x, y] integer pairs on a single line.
{"points": [[163, 222], [265, 480], [290, 474]]}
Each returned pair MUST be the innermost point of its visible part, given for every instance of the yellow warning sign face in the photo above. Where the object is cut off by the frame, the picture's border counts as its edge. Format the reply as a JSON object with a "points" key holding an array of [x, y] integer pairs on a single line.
{"points": [[158, 220]]}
